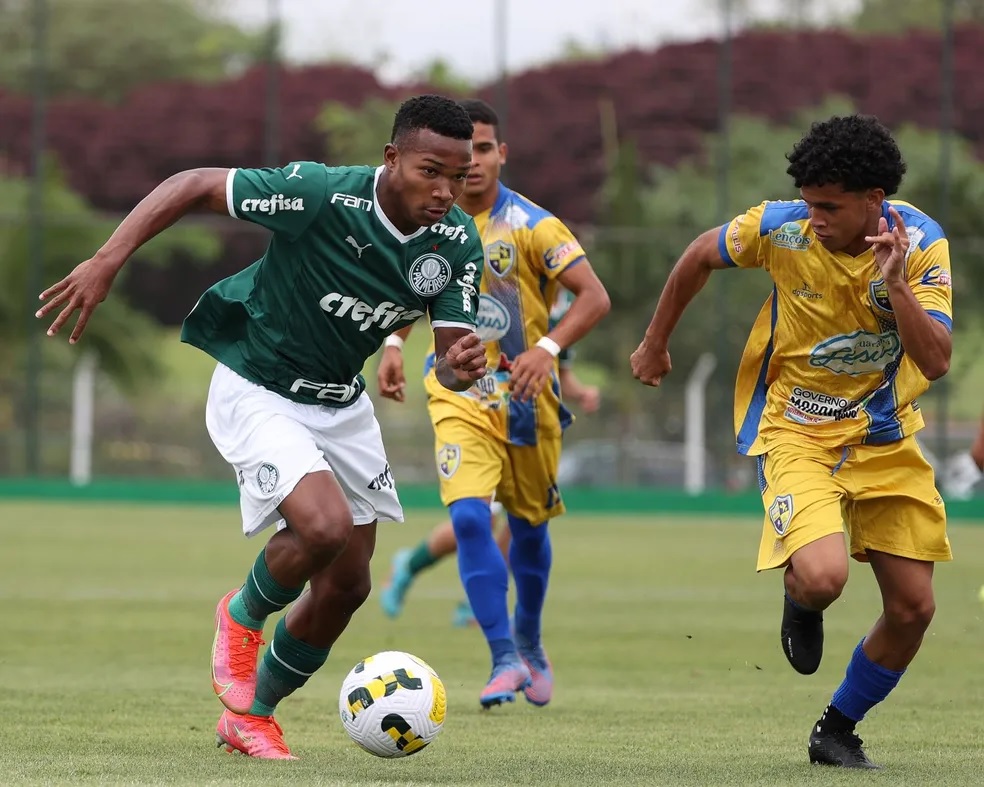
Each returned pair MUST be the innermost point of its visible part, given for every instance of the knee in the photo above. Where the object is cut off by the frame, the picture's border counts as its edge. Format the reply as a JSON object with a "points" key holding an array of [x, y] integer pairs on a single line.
{"points": [[344, 594], [818, 586], [471, 519], [528, 537], [913, 614], [324, 533]]}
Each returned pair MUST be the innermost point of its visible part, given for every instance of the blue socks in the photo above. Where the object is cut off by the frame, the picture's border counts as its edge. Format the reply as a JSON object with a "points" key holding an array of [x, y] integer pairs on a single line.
{"points": [[530, 557], [484, 575], [865, 685]]}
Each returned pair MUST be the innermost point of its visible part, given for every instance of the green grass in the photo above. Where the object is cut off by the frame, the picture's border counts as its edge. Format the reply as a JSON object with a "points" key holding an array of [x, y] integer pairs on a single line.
{"points": [[663, 639]]}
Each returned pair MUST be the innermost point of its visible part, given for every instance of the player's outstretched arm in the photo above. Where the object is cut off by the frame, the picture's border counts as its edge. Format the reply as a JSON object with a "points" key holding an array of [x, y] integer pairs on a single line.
{"points": [[460, 358], [87, 286], [651, 361]]}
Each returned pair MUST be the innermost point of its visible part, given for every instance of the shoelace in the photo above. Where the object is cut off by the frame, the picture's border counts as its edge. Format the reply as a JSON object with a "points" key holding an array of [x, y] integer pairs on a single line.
{"points": [[242, 660], [271, 734], [853, 742]]}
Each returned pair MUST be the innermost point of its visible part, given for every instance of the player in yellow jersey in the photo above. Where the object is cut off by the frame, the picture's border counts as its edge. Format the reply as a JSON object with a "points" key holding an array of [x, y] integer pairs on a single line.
{"points": [[503, 438], [440, 542], [856, 327]]}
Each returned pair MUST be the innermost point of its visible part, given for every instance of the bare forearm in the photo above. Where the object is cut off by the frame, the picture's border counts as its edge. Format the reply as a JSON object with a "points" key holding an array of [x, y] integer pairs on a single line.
{"points": [[924, 339], [687, 278], [570, 386], [177, 196], [446, 376], [977, 449], [587, 310]]}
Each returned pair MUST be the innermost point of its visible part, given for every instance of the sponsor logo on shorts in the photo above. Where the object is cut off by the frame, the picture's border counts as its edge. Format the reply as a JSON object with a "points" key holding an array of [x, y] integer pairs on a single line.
{"points": [[267, 477], [781, 514], [429, 274], [448, 459]]}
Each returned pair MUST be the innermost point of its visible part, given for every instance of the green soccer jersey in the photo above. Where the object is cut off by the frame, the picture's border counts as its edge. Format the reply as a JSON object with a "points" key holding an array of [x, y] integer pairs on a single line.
{"points": [[336, 278]]}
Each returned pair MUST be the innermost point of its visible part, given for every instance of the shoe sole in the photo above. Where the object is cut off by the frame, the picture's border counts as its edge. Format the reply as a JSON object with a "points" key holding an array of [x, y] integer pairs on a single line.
{"points": [[503, 696]]}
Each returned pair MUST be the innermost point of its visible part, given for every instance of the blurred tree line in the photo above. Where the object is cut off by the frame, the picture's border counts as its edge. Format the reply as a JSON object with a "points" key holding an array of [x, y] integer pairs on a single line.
{"points": [[105, 48], [645, 215]]}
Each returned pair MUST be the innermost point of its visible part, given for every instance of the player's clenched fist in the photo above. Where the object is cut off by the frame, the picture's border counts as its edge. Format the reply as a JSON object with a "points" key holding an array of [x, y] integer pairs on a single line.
{"points": [[650, 363], [466, 358]]}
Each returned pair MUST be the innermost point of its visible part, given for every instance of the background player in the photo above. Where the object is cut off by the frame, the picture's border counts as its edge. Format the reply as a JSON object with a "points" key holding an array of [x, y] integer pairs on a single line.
{"points": [[961, 473], [440, 542], [503, 437], [857, 325], [355, 252]]}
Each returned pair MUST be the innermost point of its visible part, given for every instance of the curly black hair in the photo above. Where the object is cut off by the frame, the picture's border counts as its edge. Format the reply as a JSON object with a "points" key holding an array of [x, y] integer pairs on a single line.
{"points": [[855, 152], [440, 114]]}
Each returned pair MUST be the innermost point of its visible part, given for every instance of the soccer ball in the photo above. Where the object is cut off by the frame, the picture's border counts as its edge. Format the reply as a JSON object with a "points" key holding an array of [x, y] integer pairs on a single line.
{"points": [[392, 704]]}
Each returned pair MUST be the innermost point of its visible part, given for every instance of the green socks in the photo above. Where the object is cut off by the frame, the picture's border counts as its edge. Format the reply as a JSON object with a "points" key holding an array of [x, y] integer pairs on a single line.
{"points": [[260, 597], [420, 559], [286, 666]]}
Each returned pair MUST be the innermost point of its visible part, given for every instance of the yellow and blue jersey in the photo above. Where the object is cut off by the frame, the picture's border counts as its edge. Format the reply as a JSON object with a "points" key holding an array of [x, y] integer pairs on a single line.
{"points": [[824, 361], [526, 249]]}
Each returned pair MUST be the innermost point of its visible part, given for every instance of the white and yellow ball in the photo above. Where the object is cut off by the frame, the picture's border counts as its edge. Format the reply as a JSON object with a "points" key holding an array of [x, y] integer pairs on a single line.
{"points": [[392, 704]]}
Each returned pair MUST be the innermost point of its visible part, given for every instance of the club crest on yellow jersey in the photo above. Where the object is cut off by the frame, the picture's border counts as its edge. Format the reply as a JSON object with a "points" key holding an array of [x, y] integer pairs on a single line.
{"points": [[500, 257]]}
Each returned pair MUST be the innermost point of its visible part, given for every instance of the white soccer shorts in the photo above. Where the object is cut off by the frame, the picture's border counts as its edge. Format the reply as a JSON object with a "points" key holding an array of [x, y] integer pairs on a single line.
{"points": [[272, 443]]}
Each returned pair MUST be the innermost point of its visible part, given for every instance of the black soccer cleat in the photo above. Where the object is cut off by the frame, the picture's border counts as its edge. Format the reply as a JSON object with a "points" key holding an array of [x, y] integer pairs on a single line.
{"points": [[840, 749], [802, 637]]}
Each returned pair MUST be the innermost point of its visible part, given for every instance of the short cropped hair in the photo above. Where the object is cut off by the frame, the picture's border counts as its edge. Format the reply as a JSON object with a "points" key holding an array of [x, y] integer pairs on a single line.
{"points": [[855, 152], [480, 112], [439, 114]]}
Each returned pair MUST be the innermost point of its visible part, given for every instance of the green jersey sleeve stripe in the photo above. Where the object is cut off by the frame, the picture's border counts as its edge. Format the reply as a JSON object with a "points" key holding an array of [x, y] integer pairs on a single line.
{"points": [[451, 324]]}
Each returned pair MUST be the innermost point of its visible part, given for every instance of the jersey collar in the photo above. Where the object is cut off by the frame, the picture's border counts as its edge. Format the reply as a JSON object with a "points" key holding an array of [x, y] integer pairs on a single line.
{"points": [[383, 219]]}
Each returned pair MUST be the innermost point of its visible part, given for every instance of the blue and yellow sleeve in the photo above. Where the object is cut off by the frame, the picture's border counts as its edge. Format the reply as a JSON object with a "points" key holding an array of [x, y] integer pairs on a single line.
{"points": [[740, 241], [554, 247], [928, 274]]}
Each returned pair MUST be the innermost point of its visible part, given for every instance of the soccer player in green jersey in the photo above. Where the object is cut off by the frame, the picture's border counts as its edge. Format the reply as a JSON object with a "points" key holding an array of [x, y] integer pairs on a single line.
{"points": [[355, 253]]}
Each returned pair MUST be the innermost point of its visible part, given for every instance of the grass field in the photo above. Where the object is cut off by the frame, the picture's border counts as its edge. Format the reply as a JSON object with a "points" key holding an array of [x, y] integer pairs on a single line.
{"points": [[663, 639]]}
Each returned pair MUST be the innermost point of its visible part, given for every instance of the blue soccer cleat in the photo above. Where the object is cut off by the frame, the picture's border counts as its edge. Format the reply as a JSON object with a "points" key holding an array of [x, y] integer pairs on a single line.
{"points": [[506, 680], [392, 595], [540, 690], [463, 615]]}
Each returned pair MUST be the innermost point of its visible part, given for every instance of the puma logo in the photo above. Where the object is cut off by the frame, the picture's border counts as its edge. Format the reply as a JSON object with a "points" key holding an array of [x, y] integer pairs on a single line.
{"points": [[294, 174], [352, 242]]}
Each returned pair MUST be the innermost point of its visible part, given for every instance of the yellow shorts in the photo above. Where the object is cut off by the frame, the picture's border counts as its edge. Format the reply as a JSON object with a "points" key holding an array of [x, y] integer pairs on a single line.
{"points": [[885, 496], [473, 463]]}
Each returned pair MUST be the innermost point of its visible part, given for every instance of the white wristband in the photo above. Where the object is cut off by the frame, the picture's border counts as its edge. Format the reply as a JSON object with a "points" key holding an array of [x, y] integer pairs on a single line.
{"points": [[549, 345], [393, 341]]}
